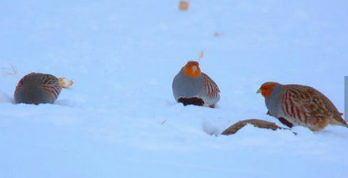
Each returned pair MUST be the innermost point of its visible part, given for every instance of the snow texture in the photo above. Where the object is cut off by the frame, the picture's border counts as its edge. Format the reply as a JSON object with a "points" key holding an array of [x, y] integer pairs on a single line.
{"points": [[120, 118]]}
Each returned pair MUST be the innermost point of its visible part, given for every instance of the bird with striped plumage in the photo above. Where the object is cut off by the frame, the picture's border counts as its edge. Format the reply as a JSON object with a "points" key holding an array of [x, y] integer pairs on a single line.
{"points": [[191, 86], [300, 105], [36, 88]]}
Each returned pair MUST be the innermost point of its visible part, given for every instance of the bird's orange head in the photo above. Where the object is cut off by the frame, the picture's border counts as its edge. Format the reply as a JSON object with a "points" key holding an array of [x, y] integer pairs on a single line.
{"points": [[266, 88], [191, 69]]}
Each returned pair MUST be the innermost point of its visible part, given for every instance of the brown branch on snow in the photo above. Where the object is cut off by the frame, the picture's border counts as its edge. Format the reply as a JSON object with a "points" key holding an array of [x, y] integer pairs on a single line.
{"points": [[256, 123]]}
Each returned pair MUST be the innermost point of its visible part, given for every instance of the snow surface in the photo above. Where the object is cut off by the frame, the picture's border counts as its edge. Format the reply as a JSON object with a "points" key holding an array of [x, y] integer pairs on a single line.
{"points": [[120, 119]]}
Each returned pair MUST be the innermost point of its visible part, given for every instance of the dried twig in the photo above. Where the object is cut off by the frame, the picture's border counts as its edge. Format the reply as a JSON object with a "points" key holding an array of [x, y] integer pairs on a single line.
{"points": [[164, 121], [11, 72], [183, 6], [14, 69], [201, 55]]}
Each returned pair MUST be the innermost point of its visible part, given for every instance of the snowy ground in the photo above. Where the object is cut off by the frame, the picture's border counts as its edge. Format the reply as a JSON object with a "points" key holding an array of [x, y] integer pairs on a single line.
{"points": [[120, 119]]}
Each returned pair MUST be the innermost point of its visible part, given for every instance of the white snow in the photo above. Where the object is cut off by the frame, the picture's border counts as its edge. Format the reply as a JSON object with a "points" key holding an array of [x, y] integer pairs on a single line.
{"points": [[120, 119]]}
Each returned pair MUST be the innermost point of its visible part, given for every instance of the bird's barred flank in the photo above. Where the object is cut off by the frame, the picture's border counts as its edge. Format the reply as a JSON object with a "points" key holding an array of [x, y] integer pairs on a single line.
{"points": [[210, 87], [53, 90], [289, 108], [50, 84]]}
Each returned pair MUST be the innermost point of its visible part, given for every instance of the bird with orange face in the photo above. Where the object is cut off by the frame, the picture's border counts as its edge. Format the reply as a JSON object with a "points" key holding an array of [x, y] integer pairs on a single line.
{"points": [[300, 105], [191, 86]]}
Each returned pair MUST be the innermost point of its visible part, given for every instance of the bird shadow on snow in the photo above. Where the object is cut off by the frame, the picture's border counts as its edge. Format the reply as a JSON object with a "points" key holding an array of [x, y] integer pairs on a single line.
{"points": [[5, 98], [65, 102], [211, 129], [334, 131]]}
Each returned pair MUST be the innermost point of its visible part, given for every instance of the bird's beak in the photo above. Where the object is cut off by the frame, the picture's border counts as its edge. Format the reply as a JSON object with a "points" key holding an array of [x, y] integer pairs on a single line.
{"points": [[194, 68], [258, 91]]}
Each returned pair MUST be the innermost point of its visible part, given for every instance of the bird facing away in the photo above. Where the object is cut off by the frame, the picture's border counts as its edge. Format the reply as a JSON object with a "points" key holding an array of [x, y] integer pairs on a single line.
{"points": [[191, 86], [300, 105], [36, 88]]}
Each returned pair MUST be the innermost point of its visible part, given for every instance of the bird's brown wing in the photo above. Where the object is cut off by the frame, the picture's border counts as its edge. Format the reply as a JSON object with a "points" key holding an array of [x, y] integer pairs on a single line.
{"points": [[324, 108], [307, 104]]}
